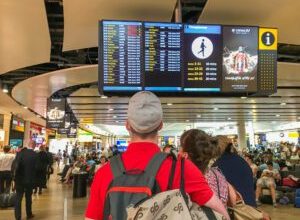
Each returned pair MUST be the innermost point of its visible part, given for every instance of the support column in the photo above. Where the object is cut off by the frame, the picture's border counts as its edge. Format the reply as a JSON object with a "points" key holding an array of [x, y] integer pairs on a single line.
{"points": [[251, 134], [26, 134], [242, 142], [6, 128]]}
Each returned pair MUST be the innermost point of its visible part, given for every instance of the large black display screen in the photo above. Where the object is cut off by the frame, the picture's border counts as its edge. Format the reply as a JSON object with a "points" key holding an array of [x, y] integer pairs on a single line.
{"points": [[202, 58], [163, 56], [186, 59], [121, 56], [240, 59]]}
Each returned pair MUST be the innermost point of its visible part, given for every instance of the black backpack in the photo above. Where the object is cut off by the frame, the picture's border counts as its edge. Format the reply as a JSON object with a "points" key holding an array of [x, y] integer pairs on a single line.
{"points": [[131, 187]]}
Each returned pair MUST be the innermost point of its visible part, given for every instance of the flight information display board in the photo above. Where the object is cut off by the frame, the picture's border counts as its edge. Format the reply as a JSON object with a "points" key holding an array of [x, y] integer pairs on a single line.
{"points": [[240, 59], [186, 59], [202, 58], [121, 56], [163, 56]]}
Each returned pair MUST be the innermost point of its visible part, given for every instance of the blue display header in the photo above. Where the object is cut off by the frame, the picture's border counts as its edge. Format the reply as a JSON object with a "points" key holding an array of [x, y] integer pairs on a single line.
{"points": [[202, 29]]}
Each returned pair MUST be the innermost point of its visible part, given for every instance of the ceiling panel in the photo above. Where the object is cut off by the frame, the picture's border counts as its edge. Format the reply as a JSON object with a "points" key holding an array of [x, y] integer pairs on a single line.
{"points": [[25, 39], [81, 17], [8, 106], [267, 13], [34, 91]]}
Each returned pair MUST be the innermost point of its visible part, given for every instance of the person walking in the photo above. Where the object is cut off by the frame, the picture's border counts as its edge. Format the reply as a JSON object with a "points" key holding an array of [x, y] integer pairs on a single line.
{"points": [[50, 163], [24, 176], [143, 123], [58, 157], [41, 170], [6, 160]]}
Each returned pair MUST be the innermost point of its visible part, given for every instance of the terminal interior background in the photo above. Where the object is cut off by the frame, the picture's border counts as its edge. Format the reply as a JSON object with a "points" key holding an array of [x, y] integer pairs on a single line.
{"points": [[50, 49]]}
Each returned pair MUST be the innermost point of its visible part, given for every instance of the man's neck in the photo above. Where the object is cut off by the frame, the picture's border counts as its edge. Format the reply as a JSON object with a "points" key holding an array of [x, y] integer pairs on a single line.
{"points": [[153, 140]]}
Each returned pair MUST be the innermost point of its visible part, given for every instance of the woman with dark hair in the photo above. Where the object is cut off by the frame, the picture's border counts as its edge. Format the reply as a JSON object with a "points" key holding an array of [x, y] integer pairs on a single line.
{"points": [[236, 170], [201, 148]]}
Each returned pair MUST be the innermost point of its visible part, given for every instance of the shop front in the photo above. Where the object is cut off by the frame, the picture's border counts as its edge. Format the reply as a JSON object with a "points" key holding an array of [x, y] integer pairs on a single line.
{"points": [[37, 134], [16, 134]]}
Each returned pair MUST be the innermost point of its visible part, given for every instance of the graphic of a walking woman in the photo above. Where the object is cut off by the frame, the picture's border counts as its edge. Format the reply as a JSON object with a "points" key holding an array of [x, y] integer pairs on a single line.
{"points": [[202, 48]]}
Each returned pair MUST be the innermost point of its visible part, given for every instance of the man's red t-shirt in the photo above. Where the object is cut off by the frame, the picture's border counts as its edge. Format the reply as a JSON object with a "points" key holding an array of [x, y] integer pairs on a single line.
{"points": [[138, 156]]}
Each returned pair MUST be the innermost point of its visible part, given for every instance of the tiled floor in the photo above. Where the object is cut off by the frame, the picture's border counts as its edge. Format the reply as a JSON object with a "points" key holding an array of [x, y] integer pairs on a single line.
{"points": [[50, 206]]}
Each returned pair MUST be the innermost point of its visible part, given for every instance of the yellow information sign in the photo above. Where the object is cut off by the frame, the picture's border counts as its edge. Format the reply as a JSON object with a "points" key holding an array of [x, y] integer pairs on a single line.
{"points": [[268, 38]]}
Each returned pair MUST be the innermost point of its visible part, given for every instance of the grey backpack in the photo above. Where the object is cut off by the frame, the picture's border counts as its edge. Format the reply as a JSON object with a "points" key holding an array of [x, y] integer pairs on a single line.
{"points": [[131, 187]]}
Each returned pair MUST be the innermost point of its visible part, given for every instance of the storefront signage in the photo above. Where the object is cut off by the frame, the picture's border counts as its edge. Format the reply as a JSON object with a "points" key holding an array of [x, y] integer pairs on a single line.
{"points": [[18, 124], [56, 113]]}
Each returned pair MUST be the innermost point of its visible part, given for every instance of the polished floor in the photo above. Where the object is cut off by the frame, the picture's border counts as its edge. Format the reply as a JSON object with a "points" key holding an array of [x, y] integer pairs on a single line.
{"points": [[56, 203]]}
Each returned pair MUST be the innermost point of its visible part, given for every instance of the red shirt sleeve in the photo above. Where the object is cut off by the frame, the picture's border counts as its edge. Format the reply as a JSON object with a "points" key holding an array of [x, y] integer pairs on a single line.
{"points": [[195, 183], [102, 179]]}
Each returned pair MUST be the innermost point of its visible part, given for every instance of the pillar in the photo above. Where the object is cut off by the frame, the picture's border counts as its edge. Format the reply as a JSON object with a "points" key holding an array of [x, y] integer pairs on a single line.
{"points": [[251, 134], [6, 128], [26, 134], [242, 142]]}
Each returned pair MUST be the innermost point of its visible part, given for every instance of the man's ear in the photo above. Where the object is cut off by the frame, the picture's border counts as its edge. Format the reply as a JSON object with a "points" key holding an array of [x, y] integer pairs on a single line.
{"points": [[160, 126], [127, 125]]}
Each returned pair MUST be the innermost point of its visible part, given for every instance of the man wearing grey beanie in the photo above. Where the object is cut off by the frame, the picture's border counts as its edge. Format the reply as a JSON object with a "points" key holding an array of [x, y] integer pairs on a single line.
{"points": [[144, 120]]}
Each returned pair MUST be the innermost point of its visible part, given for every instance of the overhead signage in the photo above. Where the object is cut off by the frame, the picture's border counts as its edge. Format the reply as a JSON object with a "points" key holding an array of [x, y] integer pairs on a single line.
{"points": [[202, 58], [18, 124], [267, 81], [56, 113], [186, 59], [240, 59], [72, 132], [163, 56]]}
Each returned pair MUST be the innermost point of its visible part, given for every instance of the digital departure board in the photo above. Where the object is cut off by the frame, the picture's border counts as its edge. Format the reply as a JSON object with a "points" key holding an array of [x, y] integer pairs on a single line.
{"points": [[186, 60], [240, 59], [202, 58], [121, 56], [163, 56]]}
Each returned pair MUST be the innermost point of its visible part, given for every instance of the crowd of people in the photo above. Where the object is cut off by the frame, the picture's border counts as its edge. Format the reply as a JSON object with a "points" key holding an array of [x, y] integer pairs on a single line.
{"points": [[208, 168], [24, 171]]}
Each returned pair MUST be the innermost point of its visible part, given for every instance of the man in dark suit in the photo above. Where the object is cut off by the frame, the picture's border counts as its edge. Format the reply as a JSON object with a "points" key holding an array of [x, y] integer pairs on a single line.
{"points": [[24, 175]]}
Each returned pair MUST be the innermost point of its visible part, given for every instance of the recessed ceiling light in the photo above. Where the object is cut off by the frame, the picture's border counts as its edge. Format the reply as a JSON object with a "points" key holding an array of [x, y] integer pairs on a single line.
{"points": [[229, 118], [187, 120], [216, 109], [169, 104], [253, 110], [115, 116], [198, 116], [243, 97], [117, 121], [103, 97], [277, 115], [283, 103], [111, 109]]}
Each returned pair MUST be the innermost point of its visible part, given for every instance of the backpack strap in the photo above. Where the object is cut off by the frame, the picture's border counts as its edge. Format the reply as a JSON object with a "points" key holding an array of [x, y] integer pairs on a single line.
{"points": [[155, 163], [116, 165]]}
